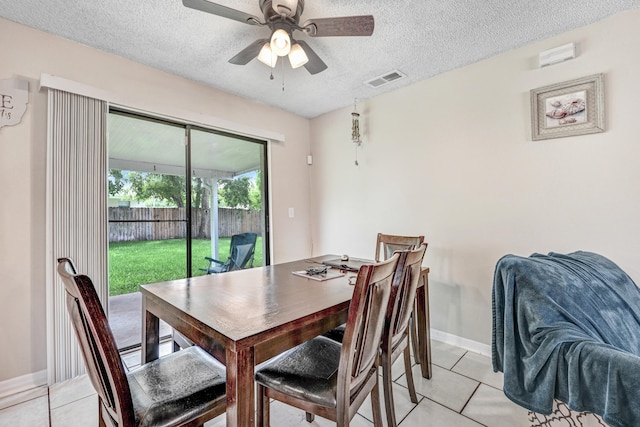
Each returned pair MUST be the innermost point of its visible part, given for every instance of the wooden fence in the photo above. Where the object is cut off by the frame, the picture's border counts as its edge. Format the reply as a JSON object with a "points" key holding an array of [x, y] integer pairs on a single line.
{"points": [[133, 224]]}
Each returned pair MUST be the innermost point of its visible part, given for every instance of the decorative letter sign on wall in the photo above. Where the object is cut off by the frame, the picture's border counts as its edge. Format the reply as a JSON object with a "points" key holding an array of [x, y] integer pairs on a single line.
{"points": [[14, 96]]}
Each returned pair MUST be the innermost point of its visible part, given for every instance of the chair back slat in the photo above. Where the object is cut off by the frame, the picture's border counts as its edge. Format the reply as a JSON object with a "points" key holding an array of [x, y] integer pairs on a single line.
{"points": [[363, 332], [97, 345], [387, 244], [90, 351], [403, 293]]}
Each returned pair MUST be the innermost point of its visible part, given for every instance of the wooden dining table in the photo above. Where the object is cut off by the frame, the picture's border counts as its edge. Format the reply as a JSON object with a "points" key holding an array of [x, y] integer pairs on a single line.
{"points": [[245, 317]]}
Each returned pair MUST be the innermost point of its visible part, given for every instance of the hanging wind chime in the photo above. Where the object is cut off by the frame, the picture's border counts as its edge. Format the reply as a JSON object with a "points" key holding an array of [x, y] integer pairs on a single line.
{"points": [[355, 128]]}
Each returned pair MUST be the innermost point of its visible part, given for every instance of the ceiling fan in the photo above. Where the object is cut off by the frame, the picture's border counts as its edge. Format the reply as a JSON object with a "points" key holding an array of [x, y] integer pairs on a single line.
{"points": [[283, 18]]}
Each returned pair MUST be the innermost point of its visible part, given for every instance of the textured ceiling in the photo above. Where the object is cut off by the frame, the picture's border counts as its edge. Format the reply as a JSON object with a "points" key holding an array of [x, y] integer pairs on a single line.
{"points": [[421, 38]]}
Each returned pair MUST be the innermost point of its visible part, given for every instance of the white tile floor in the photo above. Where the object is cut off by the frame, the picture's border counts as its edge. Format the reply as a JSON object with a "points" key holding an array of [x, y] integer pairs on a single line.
{"points": [[464, 391]]}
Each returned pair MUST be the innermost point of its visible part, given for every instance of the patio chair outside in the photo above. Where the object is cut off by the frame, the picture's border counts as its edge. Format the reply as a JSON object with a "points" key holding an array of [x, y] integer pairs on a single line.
{"points": [[241, 253]]}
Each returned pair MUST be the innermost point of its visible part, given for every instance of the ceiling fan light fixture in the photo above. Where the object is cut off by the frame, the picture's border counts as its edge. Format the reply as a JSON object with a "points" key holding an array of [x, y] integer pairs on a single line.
{"points": [[297, 56], [267, 57], [280, 42]]}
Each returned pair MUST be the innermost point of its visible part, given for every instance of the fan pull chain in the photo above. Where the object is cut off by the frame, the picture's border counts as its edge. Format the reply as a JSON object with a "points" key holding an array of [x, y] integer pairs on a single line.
{"points": [[272, 67], [356, 162], [282, 62]]}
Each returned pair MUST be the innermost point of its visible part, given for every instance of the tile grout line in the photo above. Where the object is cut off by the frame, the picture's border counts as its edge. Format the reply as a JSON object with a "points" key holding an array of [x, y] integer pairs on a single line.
{"points": [[412, 409], [459, 413], [458, 361], [474, 391], [470, 397], [423, 397]]}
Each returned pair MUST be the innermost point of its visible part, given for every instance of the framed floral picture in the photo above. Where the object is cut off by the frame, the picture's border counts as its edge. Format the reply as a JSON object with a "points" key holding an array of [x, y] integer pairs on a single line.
{"points": [[575, 107]]}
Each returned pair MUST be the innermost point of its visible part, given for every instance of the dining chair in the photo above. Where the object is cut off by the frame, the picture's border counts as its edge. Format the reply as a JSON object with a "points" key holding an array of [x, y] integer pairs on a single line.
{"points": [[395, 336], [387, 244], [329, 379], [186, 388]]}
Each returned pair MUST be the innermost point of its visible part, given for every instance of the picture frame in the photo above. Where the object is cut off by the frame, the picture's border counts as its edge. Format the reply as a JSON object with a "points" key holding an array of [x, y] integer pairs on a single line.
{"points": [[574, 107]]}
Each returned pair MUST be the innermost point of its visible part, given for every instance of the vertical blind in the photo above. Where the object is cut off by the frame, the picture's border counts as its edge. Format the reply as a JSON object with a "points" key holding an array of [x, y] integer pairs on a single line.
{"points": [[76, 216]]}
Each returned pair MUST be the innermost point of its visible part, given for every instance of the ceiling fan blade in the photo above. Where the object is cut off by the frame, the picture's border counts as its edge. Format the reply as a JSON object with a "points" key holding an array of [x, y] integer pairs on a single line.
{"points": [[341, 26], [226, 12], [315, 64], [248, 53]]}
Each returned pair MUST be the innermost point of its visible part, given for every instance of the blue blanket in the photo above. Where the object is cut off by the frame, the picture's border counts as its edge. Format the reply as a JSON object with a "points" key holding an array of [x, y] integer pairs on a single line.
{"points": [[568, 327]]}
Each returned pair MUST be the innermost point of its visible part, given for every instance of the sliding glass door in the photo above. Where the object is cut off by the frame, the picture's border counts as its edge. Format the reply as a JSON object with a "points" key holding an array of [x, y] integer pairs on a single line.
{"points": [[147, 202], [228, 179], [178, 196]]}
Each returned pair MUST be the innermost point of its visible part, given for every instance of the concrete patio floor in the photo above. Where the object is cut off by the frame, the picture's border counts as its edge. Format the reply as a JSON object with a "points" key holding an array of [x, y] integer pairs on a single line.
{"points": [[125, 319]]}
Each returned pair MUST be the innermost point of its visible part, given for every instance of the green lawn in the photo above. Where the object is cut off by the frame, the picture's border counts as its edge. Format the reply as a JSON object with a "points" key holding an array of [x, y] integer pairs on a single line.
{"points": [[132, 264]]}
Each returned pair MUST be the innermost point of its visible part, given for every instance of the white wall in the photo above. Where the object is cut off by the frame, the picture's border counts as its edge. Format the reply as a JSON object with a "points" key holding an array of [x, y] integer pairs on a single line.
{"points": [[26, 54], [452, 158]]}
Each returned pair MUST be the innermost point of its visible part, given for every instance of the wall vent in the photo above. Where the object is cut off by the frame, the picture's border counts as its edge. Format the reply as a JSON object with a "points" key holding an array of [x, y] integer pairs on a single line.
{"points": [[557, 55], [385, 79]]}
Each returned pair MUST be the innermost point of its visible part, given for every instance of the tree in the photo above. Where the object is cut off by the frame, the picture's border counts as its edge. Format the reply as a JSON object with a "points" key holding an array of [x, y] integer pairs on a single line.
{"points": [[170, 188], [201, 193], [255, 193], [234, 193], [117, 181], [196, 188]]}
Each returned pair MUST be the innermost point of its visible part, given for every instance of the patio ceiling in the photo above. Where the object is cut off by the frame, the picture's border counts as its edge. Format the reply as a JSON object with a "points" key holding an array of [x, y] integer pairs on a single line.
{"points": [[153, 146]]}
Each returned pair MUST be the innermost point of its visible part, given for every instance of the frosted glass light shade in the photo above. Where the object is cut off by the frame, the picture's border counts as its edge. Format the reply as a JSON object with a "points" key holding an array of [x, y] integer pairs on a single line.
{"points": [[280, 42], [297, 56], [267, 57]]}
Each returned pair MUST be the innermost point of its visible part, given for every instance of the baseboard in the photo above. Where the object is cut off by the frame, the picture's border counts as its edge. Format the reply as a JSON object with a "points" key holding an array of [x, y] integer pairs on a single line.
{"points": [[23, 383], [467, 344]]}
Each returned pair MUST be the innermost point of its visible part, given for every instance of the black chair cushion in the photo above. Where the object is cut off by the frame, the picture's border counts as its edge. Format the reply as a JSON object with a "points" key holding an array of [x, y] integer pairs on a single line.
{"points": [[175, 388], [337, 333], [308, 371]]}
